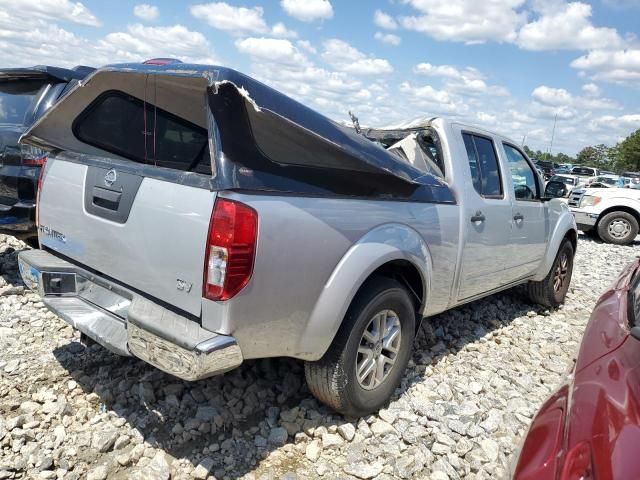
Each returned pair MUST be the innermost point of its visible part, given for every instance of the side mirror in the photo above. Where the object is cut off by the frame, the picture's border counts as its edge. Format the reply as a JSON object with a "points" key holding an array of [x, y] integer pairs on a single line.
{"points": [[555, 190]]}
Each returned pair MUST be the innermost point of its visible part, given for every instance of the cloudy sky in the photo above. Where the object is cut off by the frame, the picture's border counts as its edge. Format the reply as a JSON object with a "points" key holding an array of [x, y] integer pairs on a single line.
{"points": [[509, 65]]}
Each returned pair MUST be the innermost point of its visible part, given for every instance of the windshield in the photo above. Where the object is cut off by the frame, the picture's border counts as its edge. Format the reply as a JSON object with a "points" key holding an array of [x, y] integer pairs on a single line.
{"points": [[17, 100]]}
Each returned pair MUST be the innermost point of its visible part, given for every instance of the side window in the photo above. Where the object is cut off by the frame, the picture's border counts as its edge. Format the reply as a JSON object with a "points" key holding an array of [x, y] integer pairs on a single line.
{"points": [[483, 163], [522, 174]]}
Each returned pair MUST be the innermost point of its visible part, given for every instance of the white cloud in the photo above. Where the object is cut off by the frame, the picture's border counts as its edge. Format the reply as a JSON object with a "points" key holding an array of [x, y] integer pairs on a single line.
{"points": [[28, 41], [434, 100], [308, 10], [272, 50], [51, 10], [561, 98], [467, 81], [552, 96], [591, 90], [566, 26], [617, 66], [346, 58], [487, 118], [447, 71], [239, 21], [140, 42], [388, 38], [384, 20], [146, 12], [281, 31], [236, 20], [466, 21], [307, 45]]}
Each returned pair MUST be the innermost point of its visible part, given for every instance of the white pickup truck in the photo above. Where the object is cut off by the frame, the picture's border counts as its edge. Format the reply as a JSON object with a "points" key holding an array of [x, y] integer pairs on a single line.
{"points": [[613, 214], [194, 218]]}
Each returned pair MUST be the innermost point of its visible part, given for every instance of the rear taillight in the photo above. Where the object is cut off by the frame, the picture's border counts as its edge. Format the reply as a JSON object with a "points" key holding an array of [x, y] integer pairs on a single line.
{"points": [[230, 250], [38, 188], [32, 156], [577, 463]]}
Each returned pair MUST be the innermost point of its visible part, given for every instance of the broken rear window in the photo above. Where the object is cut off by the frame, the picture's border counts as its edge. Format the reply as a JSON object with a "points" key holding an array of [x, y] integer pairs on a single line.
{"points": [[137, 130]]}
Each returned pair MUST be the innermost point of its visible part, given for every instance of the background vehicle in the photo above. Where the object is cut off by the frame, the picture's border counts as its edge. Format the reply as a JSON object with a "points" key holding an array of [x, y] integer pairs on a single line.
{"points": [[585, 171], [589, 428], [605, 181], [561, 186], [25, 94], [613, 214], [294, 236], [547, 168]]}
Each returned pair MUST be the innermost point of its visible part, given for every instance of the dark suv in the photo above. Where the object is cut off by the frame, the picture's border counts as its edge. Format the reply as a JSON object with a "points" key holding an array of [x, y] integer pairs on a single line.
{"points": [[25, 94]]}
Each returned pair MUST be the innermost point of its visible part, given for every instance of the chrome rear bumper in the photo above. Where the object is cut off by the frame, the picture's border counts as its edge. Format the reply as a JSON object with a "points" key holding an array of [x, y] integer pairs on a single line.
{"points": [[125, 322]]}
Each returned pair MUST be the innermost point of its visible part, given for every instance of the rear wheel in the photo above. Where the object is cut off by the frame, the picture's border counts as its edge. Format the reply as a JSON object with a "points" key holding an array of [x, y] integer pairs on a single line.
{"points": [[552, 290], [370, 352], [620, 228]]}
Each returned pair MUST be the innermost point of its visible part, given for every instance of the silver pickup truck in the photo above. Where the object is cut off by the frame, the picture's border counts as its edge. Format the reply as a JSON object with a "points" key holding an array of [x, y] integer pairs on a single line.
{"points": [[193, 217]]}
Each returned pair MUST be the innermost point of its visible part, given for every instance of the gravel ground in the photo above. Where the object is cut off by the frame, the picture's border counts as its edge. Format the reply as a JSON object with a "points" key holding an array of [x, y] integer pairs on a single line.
{"points": [[478, 375]]}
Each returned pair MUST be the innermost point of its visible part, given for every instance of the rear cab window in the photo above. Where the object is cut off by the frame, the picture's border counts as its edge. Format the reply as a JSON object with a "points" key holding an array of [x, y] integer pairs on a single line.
{"points": [[132, 128], [483, 162]]}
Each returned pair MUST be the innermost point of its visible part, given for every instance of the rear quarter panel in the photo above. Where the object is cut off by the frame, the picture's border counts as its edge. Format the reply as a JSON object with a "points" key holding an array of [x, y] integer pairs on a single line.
{"points": [[301, 244]]}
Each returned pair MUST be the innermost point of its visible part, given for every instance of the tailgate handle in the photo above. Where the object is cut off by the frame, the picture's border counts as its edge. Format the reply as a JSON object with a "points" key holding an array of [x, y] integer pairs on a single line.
{"points": [[106, 198]]}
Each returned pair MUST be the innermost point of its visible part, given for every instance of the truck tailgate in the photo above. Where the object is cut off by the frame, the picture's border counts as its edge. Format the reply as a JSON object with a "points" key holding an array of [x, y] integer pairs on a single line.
{"points": [[146, 233]]}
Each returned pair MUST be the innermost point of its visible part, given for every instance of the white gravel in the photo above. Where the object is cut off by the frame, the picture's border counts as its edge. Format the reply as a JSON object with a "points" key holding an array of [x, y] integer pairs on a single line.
{"points": [[478, 375]]}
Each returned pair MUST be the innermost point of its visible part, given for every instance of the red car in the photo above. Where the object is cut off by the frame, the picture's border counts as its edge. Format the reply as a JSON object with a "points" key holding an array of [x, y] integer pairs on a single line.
{"points": [[590, 428]]}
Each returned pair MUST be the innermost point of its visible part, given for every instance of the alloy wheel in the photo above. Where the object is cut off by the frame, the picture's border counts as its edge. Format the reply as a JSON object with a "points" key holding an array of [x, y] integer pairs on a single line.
{"points": [[560, 274], [378, 349]]}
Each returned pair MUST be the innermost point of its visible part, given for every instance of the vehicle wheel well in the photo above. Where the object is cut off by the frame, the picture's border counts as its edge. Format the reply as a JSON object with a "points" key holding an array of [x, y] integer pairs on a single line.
{"points": [[572, 235], [408, 275], [621, 208]]}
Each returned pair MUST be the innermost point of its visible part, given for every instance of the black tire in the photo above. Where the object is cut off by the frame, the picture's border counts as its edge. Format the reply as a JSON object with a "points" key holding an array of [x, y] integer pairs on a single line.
{"points": [[620, 228], [547, 292], [333, 379]]}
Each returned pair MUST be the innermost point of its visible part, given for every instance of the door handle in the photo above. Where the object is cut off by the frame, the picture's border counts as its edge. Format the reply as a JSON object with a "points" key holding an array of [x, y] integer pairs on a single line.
{"points": [[518, 217], [106, 198], [478, 217]]}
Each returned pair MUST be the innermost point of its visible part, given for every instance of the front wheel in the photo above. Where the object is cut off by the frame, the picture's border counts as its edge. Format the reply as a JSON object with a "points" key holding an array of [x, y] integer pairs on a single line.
{"points": [[620, 228], [365, 363], [552, 290]]}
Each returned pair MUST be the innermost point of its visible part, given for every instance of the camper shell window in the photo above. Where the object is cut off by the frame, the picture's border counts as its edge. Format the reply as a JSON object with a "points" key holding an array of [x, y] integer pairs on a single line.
{"points": [[135, 129]]}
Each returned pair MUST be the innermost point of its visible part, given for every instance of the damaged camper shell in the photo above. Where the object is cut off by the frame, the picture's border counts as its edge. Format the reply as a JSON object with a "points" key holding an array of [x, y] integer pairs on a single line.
{"points": [[256, 128], [194, 217]]}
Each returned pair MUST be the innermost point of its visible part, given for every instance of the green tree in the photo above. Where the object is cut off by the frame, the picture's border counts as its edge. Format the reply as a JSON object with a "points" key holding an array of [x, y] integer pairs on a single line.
{"points": [[627, 152], [597, 156]]}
